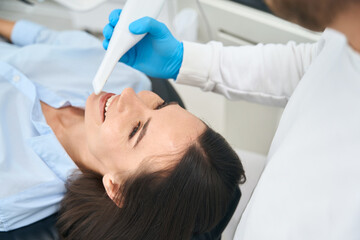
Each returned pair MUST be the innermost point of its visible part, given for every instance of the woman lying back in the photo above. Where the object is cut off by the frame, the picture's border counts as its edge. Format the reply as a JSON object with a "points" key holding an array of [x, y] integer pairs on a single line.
{"points": [[149, 169], [156, 172]]}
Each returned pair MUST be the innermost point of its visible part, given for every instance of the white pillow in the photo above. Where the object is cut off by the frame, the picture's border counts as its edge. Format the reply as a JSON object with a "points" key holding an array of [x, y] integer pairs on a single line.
{"points": [[253, 164]]}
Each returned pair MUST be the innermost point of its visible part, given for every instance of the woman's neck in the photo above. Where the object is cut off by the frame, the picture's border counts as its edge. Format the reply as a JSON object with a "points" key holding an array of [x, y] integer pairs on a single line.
{"points": [[68, 124]]}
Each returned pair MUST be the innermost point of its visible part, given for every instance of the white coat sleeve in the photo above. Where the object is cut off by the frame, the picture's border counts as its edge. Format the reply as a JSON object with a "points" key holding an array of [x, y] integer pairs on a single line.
{"points": [[266, 74]]}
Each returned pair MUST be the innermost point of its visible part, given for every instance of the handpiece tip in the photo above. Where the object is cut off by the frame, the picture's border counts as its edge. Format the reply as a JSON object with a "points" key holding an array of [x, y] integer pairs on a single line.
{"points": [[98, 85]]}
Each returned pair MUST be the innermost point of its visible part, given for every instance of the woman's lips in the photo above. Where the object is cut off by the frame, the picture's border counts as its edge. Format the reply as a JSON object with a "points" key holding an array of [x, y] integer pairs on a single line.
{"points": [[102, 104]]}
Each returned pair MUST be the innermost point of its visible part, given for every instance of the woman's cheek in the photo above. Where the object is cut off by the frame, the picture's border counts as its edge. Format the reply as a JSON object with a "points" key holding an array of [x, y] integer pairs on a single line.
{"points": [[113, 137]]}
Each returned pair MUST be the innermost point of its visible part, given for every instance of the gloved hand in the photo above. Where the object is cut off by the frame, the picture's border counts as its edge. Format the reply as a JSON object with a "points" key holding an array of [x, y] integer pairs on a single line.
{"points": [[158, 54]]}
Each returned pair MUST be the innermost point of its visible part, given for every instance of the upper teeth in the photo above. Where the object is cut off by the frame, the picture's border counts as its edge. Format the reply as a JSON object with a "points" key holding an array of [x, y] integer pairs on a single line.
{"points": [[108, 102]]}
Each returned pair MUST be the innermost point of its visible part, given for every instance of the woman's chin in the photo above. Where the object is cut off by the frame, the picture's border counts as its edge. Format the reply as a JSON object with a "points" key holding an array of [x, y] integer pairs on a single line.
{"points": [[92, 116]]}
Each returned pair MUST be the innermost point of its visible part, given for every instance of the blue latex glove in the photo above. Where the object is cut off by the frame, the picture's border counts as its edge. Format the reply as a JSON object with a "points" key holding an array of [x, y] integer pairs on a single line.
{"points": [[158, 54]]}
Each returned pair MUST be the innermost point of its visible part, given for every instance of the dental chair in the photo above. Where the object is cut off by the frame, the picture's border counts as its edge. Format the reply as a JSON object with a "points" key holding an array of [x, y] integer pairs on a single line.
{"points": [[46, 230]]}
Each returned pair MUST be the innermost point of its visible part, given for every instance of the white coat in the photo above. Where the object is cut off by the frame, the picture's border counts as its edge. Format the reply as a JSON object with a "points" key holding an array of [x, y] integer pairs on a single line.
{"points": [[310, 188]]}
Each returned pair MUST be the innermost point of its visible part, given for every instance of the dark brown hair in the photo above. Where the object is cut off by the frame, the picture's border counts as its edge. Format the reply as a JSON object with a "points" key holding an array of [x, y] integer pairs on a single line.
{"points": [[312, 14], [188, 198]]}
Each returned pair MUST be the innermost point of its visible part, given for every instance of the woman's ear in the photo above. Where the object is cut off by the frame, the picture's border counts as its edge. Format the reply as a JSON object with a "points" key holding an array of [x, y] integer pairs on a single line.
{"points": [[111, 186]]}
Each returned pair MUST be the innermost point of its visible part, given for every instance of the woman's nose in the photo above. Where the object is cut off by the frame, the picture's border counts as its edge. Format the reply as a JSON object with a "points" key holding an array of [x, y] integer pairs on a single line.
{"points": [[129, 100], [128, 92]]}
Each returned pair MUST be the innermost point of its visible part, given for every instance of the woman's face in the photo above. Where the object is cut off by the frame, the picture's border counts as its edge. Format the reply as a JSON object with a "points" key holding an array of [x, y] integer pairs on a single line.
{"points": [[136, 127]]}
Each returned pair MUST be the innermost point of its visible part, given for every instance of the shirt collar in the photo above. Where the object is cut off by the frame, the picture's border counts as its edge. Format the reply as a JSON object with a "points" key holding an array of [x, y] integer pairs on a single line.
{"points": [[45, 144]]}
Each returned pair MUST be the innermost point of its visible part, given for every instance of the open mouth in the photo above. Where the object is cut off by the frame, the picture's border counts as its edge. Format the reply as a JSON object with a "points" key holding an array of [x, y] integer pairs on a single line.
{"points": [[105, 102], [108, 102]]}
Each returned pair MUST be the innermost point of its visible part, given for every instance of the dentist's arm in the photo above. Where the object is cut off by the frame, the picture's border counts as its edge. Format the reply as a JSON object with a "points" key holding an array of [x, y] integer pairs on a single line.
{"points": [[6, 28], [266, 74]]}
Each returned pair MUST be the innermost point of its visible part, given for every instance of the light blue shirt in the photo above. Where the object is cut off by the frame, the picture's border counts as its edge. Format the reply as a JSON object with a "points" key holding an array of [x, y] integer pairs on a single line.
{"points": [[56, 68]]}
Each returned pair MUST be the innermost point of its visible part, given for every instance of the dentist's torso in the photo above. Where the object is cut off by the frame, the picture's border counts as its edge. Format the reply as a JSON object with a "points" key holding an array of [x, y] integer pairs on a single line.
{"points": [[310, 186]]}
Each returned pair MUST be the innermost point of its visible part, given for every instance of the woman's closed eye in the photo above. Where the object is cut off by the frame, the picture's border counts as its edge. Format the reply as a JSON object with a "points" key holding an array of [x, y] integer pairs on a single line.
{"points": [[164, 104], [138, 125], [135, 130]]}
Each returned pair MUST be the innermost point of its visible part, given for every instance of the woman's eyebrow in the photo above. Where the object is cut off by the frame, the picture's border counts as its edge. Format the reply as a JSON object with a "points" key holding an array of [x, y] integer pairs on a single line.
{"points": [[146, 125], [143, 132]]}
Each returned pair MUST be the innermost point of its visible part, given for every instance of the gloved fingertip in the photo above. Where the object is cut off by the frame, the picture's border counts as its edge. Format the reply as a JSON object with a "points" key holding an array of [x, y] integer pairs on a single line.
{"points": [[105, 44], [114, 17], [136, 27], [108, 31], [149, 25]]}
